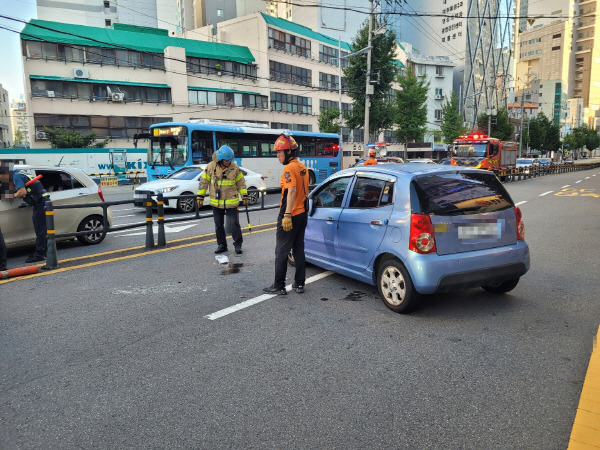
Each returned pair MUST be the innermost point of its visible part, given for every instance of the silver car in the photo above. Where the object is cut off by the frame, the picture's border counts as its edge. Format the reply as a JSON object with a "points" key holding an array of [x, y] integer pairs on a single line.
{"points": [[66, 186]]}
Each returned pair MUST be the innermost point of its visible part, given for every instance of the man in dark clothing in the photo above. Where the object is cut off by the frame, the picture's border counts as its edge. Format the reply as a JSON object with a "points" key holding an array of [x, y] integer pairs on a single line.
{"points": [[3, 260], [293, 217], [34, 195]]}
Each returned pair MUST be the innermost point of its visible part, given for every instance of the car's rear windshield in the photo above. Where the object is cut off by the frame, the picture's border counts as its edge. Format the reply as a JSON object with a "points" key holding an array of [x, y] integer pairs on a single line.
{"points": [[458, 193], [524, 161]]}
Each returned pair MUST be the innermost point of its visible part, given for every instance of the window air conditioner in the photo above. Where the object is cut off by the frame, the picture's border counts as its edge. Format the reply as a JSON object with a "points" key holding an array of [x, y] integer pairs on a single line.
{"points": [[40, 136], [50, 94], [118, 97], [81, 73]]}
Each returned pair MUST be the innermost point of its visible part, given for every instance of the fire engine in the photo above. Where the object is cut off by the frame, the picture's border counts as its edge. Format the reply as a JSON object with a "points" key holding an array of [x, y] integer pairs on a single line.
{"points": [[482, 152]]}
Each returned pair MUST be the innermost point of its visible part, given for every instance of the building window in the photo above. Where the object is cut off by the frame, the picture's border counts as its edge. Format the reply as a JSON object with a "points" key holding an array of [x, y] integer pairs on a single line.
{"points": [[285, 73], [219, 12], [438, 114], [291, 103], [328, 81], [438, 93], [291, 126], [107, 22], [556, 48], [214, 66], [439, 71], [324, 104], [230, 99], [289, 43], [106, 4], [556, 36]]}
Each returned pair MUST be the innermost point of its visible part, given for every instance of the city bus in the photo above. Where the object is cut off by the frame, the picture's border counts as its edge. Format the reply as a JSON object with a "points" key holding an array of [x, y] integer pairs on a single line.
{"points": [[174, 145]]}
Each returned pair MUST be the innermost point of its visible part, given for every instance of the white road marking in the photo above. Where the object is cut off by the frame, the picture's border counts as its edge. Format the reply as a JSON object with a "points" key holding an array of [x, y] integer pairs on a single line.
{"points": [[126, 215], [587, 178], [520, 203], [125, 209], [546, 193], [261, 298], [168, 229], [565, 186], [578, 181]]}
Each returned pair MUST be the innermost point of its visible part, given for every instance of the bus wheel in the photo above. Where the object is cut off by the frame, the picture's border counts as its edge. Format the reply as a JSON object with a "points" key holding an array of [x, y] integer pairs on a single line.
{"points": [[186, 205], [311, 177]]}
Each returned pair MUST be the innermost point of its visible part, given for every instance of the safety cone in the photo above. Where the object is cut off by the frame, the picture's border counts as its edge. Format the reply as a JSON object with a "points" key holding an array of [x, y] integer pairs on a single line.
{"points": [[20, 271]]}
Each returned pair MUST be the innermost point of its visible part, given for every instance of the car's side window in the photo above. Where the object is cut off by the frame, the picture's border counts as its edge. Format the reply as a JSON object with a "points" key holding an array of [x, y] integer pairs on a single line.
{"points": [[54, 181], [370, 193], [332, 194]]}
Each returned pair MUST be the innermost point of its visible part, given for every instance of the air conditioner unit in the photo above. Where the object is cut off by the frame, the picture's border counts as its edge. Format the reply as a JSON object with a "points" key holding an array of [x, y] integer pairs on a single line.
{"points": [[118, 97], [81, 73], [50, 94], [40, 136]]}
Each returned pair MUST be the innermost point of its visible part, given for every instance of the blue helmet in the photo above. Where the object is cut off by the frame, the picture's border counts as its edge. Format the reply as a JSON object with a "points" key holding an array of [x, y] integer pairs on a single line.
{"points": [[225, 153]]}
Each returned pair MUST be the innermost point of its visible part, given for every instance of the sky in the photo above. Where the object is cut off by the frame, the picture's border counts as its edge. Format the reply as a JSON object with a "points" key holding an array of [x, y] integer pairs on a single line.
{"points": [[11, 65]]}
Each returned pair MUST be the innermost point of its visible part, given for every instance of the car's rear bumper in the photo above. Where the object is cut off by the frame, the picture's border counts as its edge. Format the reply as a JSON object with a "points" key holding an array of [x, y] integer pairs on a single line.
{"points": [[433, 273]]}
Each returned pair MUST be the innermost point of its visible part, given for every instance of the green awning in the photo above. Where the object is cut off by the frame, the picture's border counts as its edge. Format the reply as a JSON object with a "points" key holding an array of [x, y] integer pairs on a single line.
{"points": [[397, 63], [142, 39], [85, 80], [304, 31], [197, 88]]}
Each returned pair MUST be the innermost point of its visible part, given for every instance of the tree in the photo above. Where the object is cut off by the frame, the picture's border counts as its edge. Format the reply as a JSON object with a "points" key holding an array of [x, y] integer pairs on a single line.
{"points": [[19, 138], [411, 107], [383, 71], [552, 141], [538, 127], [329, 120], [61, 137], [592, 139], [575, 139], [503, 129], [452, 123]]}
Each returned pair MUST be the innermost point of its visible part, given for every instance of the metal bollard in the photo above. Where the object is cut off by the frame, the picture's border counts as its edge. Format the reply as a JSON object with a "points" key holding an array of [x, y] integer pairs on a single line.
{"points": [[51, 256], [162, 241], [149, 233]]}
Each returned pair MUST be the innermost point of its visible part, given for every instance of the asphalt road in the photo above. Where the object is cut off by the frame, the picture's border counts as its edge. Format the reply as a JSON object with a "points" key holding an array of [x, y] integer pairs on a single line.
{"points": [[121, 354]]}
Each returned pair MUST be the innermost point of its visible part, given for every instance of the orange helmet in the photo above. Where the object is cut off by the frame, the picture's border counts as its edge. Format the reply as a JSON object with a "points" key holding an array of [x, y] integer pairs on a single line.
{"points": [[372, 152], [285, 142]]}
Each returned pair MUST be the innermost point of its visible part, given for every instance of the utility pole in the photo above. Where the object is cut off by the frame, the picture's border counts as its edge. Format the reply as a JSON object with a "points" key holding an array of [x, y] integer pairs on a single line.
{"points": [[521, 127], [369, 88], [340, 84]]}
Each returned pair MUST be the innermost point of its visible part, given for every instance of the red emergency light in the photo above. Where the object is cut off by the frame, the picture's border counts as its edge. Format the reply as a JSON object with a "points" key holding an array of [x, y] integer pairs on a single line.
{"points": [[473, 137]]}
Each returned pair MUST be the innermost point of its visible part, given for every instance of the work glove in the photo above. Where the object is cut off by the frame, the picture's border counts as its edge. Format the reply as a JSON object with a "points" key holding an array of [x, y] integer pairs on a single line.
{"points": [[200, 201], [286, 222], [245, 200]]}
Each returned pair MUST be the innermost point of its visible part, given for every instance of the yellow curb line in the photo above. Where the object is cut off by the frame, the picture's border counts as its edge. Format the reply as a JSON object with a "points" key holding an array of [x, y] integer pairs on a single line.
{"points": [[121, 258], [586, 427]]}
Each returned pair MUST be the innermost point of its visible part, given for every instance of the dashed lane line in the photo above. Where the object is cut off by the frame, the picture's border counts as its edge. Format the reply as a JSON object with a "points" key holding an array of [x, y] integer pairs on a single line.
{"points": [[546, 193], [261, 298], [565, 186], [578, 181], [520, 203]]}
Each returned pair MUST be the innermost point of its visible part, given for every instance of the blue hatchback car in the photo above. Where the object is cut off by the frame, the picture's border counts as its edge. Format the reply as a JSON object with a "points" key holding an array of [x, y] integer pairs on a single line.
{"points": [[413, 229]]}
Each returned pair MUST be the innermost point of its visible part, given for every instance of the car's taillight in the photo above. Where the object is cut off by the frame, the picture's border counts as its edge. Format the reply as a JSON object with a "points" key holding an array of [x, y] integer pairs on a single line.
{"points": [[100, 193], [520, 224], [422, 237]]}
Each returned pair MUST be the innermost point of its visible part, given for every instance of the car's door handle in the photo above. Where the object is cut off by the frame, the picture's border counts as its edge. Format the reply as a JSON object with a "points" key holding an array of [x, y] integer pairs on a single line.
{"points": [[329, 219], [376, 222]]}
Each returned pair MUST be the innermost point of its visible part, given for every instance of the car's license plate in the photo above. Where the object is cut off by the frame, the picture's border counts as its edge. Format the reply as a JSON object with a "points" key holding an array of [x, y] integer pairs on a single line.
{"points": [[478, 230]]}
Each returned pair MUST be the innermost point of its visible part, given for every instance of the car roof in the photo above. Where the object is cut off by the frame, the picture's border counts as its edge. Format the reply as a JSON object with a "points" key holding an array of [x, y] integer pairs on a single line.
{"points": [[411, 169]]}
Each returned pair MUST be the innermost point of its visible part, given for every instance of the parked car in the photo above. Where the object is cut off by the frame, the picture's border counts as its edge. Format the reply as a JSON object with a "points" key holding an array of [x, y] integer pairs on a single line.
{"points": [[526, 164], [545, 161], [380, 160], [445, 161], [421, 160], [568, 161], [67, 186], [186, 181], [413, 230]]}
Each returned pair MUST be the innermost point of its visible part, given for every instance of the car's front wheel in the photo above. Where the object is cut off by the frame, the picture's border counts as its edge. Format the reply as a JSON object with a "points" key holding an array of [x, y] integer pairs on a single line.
{"points": [[396, 287], [502, 288], [253, 195], [186, 205], [91, 223]]}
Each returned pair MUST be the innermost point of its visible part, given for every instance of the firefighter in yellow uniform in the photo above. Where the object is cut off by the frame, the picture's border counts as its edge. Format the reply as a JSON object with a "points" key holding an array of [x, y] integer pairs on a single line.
{"points": [[225, 183]]}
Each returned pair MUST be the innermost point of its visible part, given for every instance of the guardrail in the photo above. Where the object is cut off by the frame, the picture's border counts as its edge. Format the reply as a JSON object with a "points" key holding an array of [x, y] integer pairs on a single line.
{"points": [[149, 204]]}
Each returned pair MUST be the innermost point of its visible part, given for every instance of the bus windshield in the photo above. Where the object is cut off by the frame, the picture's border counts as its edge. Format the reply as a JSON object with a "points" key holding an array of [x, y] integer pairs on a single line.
{"points": [[168, 146], [471, 150]]}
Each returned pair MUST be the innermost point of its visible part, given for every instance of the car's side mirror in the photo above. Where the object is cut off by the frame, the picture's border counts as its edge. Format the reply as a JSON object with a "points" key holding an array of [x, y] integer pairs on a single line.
{"points": [[311, 206]]}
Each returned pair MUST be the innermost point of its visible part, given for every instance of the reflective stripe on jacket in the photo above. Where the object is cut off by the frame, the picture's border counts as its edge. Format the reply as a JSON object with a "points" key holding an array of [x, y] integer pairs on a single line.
{"points": [[229, 180]]}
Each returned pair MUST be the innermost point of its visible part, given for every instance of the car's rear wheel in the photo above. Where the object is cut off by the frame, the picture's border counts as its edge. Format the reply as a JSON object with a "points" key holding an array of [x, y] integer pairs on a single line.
{"points": [[502, 288], [186, 205], [253, 195], [91, 223], [396, 287]]}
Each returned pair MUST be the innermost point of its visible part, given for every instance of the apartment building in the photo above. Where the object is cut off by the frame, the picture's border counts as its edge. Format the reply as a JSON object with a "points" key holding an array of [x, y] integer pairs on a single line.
{"points": [[119, 81], [18, 113], [437, 71], [5, 123]]}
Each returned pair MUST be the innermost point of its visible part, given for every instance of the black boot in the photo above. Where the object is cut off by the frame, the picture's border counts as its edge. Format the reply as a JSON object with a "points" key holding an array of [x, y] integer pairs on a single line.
{"points": [[222, 248]]}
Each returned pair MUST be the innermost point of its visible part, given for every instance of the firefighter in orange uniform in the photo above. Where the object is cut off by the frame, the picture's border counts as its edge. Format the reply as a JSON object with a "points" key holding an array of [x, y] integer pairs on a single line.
{"points": [[371, 161], [293, 217]]}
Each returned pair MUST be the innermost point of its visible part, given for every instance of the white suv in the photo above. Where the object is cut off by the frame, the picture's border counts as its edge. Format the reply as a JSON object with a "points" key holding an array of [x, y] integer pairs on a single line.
{"points": [[66, 185]]}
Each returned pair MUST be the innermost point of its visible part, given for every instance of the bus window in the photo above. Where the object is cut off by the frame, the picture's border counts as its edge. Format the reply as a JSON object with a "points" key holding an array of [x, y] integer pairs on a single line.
{"points": [[250, 149], [327, 149], [202, 143], [266, 149], [230, 139], [306, 149]]}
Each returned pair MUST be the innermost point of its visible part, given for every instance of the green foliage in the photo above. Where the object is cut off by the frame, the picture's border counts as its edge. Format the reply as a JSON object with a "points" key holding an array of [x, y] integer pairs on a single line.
{"points": [[552, 141], [592, 139], [503, 129], [411, 107], [452, 124], [61, 137], [583, 136], [538, 127], [381, 111], [329, 121], [19, 137]]}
